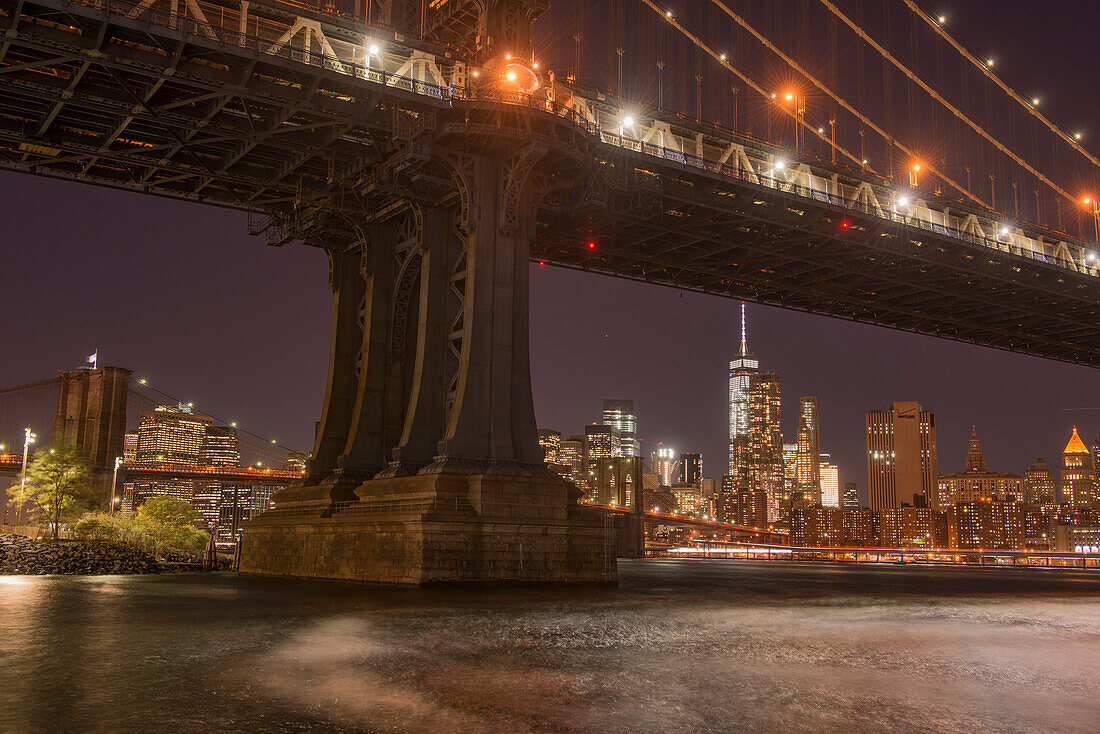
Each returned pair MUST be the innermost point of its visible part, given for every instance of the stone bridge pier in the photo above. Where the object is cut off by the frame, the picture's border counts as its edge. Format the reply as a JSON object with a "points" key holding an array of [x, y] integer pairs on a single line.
{"points": [[426, 466]]}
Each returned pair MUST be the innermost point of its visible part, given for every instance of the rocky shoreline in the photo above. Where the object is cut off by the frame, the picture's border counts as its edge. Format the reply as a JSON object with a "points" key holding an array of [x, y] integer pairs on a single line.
{"points": [[23, 556]]}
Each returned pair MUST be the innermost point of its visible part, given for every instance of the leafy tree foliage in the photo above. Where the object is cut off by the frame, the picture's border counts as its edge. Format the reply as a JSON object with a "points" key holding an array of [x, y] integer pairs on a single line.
{"points": [[57, 486], [162, 522]]}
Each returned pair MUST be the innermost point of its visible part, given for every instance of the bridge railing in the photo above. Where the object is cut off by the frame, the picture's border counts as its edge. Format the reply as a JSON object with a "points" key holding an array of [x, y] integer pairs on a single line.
{"points": [[403, 67]]}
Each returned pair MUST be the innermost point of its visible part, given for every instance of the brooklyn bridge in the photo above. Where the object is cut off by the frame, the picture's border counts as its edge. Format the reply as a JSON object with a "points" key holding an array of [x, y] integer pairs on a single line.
{"points": [[433, 155]]}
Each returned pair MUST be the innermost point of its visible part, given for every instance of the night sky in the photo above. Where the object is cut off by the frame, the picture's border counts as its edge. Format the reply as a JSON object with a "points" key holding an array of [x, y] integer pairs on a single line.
{"points": [[180, 294]]}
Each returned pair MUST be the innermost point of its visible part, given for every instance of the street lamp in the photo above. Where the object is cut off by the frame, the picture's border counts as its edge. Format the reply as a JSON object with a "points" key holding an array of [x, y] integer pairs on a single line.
{"points": [[28, 439], [799, 115], [114, 484], [1094, 209]]}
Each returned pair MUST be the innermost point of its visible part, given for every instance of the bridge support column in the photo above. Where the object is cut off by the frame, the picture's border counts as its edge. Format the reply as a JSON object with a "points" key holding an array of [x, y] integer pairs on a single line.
{"points": [[426, 466]]}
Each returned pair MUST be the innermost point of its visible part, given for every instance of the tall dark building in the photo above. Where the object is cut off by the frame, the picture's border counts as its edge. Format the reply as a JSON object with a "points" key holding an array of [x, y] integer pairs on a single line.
{"points": [[849, 501], [901, 456], [691, 468], [91, 413]]}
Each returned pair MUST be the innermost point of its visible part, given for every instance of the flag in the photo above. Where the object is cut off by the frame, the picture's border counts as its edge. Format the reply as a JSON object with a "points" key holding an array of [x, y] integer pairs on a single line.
{"points": [[92, 358]]}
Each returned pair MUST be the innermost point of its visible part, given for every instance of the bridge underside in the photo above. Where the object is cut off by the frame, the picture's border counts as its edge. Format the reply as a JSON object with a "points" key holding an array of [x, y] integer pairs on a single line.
{"points": [[311, 153], [430, 209]]}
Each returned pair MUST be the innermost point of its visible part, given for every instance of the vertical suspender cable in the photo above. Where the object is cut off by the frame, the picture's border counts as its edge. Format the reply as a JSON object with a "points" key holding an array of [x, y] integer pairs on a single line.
{"points": [[939, 98]]}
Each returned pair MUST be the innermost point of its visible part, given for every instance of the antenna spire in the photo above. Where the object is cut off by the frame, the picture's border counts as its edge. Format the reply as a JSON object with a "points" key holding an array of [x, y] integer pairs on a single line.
{"points": [[744, 340]]}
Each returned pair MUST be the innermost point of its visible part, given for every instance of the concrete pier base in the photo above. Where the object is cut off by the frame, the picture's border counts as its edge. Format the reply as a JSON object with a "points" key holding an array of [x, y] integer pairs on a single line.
{"points": [[432, 529]]}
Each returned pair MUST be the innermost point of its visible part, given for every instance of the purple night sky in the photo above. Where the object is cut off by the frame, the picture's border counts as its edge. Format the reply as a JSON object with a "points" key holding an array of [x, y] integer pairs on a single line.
{"points": [[180, 294]]}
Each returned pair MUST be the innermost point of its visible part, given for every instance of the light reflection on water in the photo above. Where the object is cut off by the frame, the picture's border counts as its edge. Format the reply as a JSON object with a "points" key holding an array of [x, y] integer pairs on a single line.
{"points": [[680, 646]]}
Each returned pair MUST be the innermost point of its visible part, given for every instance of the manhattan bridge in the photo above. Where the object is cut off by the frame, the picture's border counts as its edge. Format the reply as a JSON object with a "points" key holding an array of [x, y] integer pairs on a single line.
{"points": [[434, 149]]}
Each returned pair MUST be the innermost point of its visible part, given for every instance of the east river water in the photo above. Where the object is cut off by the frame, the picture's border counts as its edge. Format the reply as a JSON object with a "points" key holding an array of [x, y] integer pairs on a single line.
{"points": [[679, 646]]}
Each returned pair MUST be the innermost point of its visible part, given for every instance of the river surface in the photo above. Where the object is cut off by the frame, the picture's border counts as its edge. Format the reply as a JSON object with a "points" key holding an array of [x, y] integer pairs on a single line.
{"points": [[679, 646]]}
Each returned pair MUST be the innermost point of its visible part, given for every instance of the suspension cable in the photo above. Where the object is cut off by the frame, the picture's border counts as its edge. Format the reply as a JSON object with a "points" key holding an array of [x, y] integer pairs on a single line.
{"points": [[721, 59], [839, 100], [221, 420], [985, 69], [29, 385], [939, 98]]}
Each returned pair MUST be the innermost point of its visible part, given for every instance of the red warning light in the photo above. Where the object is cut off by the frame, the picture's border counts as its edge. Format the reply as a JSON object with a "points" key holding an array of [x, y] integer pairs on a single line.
{"points": [[591, 245], [844, 225], [541, 263]]}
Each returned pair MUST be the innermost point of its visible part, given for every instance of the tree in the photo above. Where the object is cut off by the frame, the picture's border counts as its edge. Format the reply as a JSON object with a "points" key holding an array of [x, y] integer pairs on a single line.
{"points": [[171, 522], [57, 485]]}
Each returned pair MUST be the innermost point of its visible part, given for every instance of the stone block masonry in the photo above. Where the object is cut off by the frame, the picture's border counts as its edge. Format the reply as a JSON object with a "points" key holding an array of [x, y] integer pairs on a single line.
{"points": [[435, 529]]}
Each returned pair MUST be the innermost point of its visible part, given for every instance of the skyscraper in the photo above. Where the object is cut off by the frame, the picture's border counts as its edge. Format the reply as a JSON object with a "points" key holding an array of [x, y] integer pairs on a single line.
{"points": [[691, 468], [742, 368], [850, 501], [619, 414], [600, 442], [901, 456], [807, 461], [765, 470], [1039, 485], [830, 482], [296, 461], [1078, 474], [572, 456], [171, 436], [550, 441], [220, 447], [662, 462]]}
